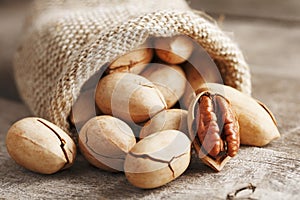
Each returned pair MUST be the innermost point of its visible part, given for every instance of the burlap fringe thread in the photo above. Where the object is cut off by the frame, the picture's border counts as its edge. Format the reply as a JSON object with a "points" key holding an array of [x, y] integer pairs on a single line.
{"points": [[66, 42]]}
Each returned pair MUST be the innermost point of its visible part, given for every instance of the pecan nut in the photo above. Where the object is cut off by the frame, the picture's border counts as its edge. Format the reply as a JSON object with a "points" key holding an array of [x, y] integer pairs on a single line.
{"points": [[218, 128]]}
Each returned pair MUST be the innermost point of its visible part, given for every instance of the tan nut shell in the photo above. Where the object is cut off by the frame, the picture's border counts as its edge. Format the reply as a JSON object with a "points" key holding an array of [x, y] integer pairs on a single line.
{"points": [[257, 124], [173, 50], [170, 119], [170, 80], [215, 163], [129, 96], [158, 159], [187, 97], [200, 69], [40, 146], [83, 109], [104, 141], [133, 62]]}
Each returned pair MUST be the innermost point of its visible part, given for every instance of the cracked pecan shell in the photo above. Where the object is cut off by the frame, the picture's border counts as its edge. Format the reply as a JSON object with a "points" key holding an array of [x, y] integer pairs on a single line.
{"points": [[258, 126], [40, 146], [214, 129], [104, 141], [158, 159], [129, 97], [218, 128]]}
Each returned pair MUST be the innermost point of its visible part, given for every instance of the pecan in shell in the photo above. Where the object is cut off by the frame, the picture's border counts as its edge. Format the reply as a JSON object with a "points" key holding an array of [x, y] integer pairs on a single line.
{"points": [[218, 128]]}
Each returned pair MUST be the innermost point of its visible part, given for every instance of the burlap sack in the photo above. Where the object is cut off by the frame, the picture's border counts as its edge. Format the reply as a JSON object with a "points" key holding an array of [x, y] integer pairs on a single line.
{"points": [[67, 41]]}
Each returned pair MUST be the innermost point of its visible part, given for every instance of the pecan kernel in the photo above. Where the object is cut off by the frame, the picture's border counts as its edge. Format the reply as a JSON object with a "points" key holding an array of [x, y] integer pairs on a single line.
{"points": [[218, 128]]}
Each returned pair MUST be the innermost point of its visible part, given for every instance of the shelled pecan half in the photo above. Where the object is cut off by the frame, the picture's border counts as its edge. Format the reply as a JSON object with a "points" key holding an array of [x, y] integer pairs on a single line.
{"points": [[218, 128], [214, 129]]}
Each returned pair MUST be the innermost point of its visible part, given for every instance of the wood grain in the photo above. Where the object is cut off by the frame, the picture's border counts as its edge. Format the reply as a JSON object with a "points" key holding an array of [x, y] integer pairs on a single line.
{"points": [[274, 9]]}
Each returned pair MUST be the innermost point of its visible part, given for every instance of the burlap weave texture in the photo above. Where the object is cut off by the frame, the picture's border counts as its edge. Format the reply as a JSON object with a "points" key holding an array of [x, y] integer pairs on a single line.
{"points": [[66, 42]]}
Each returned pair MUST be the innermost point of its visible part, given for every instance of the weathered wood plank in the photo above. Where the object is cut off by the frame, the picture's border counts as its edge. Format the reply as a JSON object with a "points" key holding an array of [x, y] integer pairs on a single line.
{"points": [[267, 45], [272, 172], [275, 9]]}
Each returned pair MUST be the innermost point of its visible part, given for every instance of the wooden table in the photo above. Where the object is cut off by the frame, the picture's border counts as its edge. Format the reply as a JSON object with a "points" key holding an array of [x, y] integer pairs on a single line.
{"points": [[268, 32]]}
